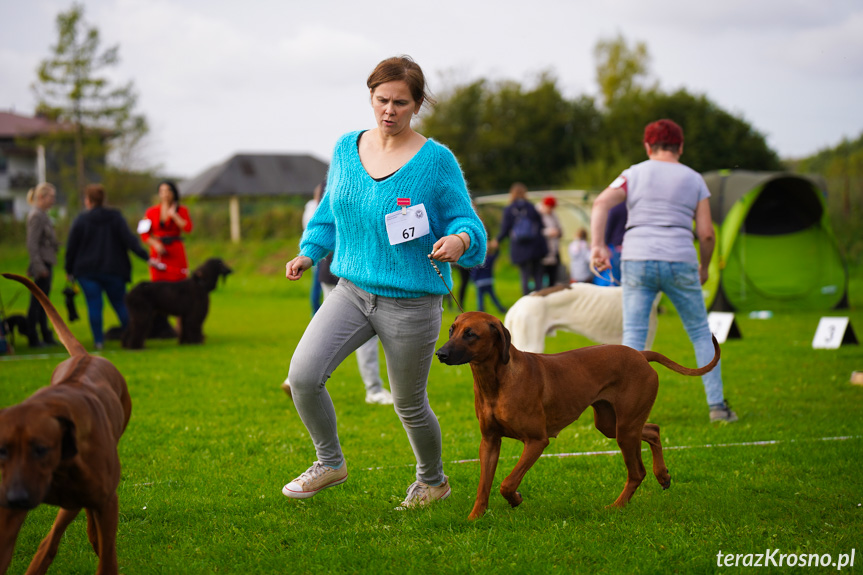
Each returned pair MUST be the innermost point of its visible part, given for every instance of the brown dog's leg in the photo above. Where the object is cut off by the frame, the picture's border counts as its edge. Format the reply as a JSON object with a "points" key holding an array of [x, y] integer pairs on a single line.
{"points": [[489, 452], [533, 448], [104, 521], [605, 419], [629, 441], [650, 434], [11, 521], [48, 548]]}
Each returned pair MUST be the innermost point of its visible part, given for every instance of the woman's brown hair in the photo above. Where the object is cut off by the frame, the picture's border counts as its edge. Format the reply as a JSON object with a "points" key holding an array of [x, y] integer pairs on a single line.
{"points": [[401, 69], [95, 194]]}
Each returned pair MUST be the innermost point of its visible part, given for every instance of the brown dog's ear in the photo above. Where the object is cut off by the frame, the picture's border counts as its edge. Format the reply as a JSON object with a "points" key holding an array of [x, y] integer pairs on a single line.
{"points": [[505, 339], [69, 446]]}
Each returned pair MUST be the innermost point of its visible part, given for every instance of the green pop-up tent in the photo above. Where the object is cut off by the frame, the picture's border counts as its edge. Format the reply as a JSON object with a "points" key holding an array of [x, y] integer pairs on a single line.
{"points": [[776, 249]]}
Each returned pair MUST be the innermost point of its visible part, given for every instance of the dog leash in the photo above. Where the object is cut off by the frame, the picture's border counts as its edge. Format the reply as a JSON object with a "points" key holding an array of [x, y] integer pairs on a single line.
{"points": [[440, 275], [610, 275], [162, 266]]}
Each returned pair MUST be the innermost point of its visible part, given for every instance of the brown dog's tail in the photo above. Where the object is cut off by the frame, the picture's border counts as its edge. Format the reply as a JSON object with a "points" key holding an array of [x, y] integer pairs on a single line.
{"points": [[73, 346], [659, 358]]}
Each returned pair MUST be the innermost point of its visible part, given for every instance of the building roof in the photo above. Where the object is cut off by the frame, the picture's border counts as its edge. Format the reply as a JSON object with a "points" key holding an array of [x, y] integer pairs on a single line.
{"points": [[16, 126], [258, 175]]}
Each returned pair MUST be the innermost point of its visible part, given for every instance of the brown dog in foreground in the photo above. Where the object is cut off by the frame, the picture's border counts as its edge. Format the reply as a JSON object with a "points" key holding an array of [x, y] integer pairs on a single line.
{"points": [[59, 447], [531, 397]]}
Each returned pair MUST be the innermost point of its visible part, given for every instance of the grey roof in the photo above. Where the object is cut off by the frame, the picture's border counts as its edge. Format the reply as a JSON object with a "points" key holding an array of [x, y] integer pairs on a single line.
{"points": [[258, 175]]}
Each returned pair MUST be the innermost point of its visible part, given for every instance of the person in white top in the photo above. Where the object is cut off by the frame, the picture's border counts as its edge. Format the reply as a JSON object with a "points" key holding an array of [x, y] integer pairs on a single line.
{"points": [[579, 258]]}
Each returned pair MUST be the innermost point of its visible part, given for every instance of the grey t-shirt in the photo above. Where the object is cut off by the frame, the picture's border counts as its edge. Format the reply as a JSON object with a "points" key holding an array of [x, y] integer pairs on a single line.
{"points": [[661, 198]]}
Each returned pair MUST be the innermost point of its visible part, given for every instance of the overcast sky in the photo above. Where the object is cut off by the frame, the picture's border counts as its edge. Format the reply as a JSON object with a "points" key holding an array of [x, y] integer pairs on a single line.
{"points": [[218, 77]]}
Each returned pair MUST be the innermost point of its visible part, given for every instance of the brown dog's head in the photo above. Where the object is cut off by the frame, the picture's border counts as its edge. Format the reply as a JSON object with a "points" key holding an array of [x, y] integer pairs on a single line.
{"points": [[475, 337], [35, 439]]}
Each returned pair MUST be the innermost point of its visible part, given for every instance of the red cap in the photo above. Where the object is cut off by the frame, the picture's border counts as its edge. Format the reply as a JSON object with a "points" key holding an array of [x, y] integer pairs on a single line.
{"points": [[549, 201], [663, 132]]}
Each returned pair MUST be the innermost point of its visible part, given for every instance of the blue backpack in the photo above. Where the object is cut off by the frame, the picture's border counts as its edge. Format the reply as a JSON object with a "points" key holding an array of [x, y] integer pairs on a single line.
{"points": [[523, 230]]}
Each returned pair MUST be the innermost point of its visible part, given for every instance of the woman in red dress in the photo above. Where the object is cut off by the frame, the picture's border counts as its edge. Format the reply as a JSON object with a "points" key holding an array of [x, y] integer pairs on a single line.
{"points": [[162, 229]]}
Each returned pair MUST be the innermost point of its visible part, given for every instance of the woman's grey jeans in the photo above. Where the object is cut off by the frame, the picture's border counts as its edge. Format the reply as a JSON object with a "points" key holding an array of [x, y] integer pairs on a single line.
{"points": [[408, 329]]}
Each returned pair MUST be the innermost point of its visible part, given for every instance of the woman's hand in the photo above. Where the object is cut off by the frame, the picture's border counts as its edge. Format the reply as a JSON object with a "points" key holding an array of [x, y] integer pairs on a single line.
{"points": [[703, 273], [600, 258], [450, 248], [158, 246], [294, 269]]}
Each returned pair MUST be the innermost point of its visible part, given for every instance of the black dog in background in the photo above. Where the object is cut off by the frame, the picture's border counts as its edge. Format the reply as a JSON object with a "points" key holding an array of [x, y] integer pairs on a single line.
{"points": [[189, 300]]}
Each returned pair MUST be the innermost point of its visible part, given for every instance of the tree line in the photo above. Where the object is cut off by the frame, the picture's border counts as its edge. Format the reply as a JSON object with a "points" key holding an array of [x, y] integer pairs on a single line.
{"points": [[504, 131], [501, 131]]}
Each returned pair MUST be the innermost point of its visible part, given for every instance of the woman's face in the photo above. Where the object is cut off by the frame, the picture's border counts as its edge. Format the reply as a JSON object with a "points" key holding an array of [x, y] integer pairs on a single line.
{"points": [[394, 106], [166, 196], [47, 199]]}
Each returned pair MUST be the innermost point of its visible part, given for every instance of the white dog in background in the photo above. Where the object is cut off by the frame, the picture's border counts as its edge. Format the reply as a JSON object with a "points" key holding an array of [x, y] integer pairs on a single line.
{"points": [[596, 312]]}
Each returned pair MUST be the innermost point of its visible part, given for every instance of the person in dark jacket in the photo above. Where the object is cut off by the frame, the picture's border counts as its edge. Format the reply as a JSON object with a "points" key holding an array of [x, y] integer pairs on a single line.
{"points": [[614, 230], [526, 248], [97, 256]]}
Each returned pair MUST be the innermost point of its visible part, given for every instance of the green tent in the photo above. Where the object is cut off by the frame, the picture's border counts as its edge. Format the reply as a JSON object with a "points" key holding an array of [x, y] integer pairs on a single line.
{"points": [[775, 246]]}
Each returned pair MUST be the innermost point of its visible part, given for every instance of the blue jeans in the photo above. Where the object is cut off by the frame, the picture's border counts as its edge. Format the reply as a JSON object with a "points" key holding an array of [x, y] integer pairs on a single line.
{"points": [[317, 292], [642, 281], [115, 288], [408, 330]]}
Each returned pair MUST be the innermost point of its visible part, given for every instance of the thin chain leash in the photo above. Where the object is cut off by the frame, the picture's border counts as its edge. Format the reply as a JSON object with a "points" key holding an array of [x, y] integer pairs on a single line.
{"points": [[440, 275]]}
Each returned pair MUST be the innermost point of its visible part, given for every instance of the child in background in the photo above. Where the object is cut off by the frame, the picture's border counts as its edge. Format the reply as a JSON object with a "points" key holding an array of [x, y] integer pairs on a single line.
{"points": [[579, 258], [483, 277]]}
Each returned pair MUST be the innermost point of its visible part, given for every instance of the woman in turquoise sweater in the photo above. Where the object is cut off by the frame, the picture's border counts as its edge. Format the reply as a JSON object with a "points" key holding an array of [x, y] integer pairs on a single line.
{"points": [[394, 199]]}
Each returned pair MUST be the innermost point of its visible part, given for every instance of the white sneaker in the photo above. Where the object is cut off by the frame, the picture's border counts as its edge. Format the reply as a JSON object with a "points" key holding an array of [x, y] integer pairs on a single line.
{"points": [[380, 397], [314, 479], [421, 494]]}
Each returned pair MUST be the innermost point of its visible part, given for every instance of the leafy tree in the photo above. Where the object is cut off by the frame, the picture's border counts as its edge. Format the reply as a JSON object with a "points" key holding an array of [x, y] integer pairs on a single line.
{"points": [[842, 169], [502, 132], [620, 70], [72, 88], [715, 139]]}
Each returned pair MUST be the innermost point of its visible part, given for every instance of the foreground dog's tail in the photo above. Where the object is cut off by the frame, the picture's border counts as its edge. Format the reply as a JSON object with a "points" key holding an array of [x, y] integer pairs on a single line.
{"points": [[73, 346], [659, 358]]}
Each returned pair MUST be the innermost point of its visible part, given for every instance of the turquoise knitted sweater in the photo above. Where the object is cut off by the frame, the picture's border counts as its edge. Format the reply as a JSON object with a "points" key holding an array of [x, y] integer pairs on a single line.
{"points": [[350, 221]]}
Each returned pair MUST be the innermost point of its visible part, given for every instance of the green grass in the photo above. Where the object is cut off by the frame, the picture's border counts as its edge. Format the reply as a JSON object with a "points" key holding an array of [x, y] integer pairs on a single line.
{"points": [[213, 438]]}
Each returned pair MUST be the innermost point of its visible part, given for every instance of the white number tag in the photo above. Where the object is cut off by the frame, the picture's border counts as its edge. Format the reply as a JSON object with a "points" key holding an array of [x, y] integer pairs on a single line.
{"points": [[407, 226]]}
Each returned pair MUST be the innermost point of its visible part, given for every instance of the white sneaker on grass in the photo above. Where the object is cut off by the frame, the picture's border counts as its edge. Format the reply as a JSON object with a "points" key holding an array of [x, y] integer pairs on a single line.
{"points": [[315, 478], [421, 494], [380, 397]]}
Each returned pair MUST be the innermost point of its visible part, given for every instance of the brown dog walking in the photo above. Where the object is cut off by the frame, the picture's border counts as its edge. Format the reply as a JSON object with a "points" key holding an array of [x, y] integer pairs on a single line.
{"points": [[531, 397], [59, 447]]}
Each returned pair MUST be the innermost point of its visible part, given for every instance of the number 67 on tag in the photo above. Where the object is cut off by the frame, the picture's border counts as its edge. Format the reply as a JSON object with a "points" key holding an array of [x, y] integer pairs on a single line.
{"points": [[407, 226]]}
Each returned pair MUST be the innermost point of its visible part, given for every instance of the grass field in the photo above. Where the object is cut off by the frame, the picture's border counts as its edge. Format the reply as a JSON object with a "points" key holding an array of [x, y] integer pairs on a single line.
{"points": [[213, 438]]}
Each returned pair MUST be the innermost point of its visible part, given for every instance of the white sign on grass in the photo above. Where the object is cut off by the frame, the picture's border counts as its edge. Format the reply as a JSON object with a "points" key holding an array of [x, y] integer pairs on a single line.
{"points": [[722, 325], [833, 332]]}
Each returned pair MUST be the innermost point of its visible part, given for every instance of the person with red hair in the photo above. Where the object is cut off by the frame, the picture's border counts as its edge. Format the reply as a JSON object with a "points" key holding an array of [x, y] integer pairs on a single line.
{"points": [[552, 231], [663, 197]]}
